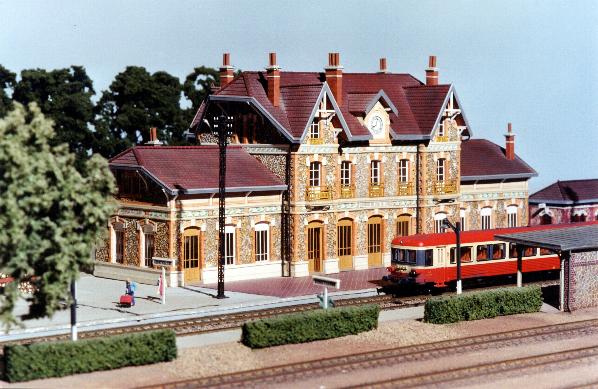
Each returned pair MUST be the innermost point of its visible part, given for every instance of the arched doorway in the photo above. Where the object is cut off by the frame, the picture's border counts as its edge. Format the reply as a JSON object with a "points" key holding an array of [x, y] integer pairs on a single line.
{"points": [[192, 254], [374, 228], [315, 246], [404, 225], [344, 247]]}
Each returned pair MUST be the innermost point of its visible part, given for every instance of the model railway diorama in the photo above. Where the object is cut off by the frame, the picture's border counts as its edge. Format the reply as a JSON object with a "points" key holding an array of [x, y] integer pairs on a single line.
{"points": [[429, 261]]}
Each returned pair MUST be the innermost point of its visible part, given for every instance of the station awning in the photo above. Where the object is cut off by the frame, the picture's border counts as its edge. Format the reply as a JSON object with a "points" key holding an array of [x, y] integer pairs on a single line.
{"points": [[559, 239]]}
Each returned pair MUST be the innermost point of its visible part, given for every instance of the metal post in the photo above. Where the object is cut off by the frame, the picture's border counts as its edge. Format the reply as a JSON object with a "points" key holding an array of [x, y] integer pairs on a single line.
{"points": [[519, 265], [325, 302], [164, 284], [458, 236], [223, 125], [74, 310]]}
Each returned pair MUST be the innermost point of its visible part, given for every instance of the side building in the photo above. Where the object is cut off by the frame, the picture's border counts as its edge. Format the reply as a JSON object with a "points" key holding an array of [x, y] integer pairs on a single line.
{"points": [[357, 159], [565, 202]]}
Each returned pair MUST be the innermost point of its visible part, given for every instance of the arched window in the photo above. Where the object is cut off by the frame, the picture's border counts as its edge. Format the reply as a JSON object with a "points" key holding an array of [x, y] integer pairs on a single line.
{"points": [[230, 242], [486, 216], [546, 219], [512, 216], [403, 225], [148, 236], [438, 218], [118, 242], [262, 242]]}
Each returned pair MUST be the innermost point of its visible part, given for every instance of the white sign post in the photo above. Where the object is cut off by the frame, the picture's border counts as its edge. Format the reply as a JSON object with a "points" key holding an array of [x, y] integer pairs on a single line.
{"points": [[326, 282], [163, 263]]}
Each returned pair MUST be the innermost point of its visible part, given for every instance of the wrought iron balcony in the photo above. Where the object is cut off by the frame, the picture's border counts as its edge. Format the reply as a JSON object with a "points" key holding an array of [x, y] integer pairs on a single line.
{"points": [[376, 190], [318, 193], [443, 138], [445, 187], [315, 141], [405, 189], [347, 191]]}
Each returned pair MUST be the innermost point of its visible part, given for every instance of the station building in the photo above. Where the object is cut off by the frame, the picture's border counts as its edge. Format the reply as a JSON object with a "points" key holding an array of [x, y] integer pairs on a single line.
{"points": [[565, 202], [324, 169]]}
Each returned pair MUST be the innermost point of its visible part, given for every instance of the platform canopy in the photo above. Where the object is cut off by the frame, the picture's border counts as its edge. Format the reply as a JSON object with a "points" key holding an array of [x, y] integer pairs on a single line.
{"points": [[558, 239]]}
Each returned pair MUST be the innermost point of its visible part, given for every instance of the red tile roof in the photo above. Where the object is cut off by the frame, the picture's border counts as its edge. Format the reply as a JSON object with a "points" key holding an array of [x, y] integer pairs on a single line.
{"points": [[568, 192], [418, 105], [194, 169], [482, 159]]}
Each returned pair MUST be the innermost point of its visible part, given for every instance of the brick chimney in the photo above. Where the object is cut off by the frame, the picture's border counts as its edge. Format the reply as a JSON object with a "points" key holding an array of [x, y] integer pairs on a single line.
{"points": [[226, 70], [273, 77], [154, 141], [432, 71], [510, 143], [383, 68], [334, 76]]}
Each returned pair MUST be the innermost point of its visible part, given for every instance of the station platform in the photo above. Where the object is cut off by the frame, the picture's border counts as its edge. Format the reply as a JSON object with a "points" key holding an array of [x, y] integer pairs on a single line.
{"points": [[303, 286], [98, 301]]}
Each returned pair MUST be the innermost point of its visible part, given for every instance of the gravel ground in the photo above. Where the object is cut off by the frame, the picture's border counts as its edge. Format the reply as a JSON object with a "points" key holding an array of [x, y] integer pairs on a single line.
{"points": [[233, 356]]}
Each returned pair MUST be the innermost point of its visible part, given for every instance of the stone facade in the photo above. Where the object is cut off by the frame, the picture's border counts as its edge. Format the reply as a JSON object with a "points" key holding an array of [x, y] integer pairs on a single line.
{"points": [[558, 215], [582, 280]]}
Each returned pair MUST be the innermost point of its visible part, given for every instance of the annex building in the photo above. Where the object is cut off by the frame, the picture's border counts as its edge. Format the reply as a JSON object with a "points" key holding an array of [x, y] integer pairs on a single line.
{"points": [[323, 170], [569, 201]]}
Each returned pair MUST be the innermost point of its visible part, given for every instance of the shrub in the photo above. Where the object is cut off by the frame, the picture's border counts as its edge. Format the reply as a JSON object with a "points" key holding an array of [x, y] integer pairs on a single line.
{"points": [[309, 326], [57, 359], [483, 305]]}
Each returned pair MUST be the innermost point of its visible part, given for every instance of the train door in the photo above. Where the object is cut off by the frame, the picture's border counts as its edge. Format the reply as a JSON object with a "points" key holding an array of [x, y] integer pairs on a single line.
{"points": [[314, 246], [440, 263], [374, 241]]}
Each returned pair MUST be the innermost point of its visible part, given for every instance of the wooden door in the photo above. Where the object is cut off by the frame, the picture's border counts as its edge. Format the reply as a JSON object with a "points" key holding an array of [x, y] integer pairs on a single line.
{"points": [[314, 247], [344, 234], [374, 241], [192, 254]]}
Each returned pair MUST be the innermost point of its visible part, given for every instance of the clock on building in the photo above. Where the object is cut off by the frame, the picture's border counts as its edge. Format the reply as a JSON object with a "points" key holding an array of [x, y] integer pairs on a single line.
{"points": [[376, 125]]}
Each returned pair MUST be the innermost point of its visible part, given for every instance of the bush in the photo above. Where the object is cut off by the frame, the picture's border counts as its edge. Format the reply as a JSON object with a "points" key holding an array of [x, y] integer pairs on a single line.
{"points": [[57, 359], [309, 326], [483, 305]]}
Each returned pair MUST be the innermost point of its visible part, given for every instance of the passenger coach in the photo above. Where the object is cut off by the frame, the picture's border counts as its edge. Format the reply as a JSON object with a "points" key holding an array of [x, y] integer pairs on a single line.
{"points": [[430, 260]]}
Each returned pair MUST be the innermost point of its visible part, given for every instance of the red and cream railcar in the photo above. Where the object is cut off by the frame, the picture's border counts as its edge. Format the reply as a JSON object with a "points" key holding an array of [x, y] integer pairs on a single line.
{"points": [[430, 259]]}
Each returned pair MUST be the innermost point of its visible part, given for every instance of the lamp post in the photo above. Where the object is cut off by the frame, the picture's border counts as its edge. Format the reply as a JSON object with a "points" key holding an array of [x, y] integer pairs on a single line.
{"points": [[223, 125], [457, 228], [74, 310]]}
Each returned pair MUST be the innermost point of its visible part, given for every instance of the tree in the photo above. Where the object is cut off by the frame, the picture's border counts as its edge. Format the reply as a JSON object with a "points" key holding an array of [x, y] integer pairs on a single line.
{"points": [[7, 81], [198, 84], [51, 213], [136, 101], [63, 95]]}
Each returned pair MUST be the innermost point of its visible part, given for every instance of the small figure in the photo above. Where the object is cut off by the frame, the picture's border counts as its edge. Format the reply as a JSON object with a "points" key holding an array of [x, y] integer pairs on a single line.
{"points": [[130, 288]]}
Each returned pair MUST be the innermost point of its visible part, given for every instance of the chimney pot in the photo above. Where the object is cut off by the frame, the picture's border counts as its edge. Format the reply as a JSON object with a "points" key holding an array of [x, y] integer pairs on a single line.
{"points": [[432, 72], [273, 78], [382, 65], [510, 143], [226, 70], [334, 77]]}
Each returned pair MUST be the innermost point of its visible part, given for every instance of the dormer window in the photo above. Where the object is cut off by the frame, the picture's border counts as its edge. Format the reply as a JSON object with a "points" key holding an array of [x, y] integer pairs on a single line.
{"points": [[315, 134]]}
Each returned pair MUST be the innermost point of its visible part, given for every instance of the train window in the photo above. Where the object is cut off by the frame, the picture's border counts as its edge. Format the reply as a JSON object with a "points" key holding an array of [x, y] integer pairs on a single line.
{"points": [[465, 254], [482, 253], [545, 251], [498, 251], [407, 256], [527, 251], [429, 255]]}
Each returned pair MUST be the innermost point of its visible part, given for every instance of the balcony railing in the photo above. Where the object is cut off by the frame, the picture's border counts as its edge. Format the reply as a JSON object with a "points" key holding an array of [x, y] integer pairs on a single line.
{"points": [[445, 187], [316, 141], [405, 189], [347, 191], [318, 193], [376, 190], [443, 138]]}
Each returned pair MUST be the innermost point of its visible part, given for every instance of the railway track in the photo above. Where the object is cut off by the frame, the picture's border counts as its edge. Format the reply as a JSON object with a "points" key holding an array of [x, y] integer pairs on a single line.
{"points": [[294, 373], [206, 324]]}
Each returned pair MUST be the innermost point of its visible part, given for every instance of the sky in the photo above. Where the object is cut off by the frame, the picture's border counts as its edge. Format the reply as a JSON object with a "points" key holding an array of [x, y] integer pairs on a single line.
{"points": [[532, 63]]}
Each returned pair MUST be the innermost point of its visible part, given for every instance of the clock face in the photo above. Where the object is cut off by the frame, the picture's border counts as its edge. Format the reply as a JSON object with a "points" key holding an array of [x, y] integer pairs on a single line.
{"points": [[376, 125]]}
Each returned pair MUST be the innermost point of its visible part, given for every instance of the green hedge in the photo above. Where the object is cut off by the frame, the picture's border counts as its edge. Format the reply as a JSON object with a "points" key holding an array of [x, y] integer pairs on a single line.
{"points": [[57, 359], [309, 326], [483, 305]]}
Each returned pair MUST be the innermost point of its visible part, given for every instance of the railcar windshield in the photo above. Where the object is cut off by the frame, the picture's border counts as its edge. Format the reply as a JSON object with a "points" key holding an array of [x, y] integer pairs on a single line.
{"points": [[412, 257]]}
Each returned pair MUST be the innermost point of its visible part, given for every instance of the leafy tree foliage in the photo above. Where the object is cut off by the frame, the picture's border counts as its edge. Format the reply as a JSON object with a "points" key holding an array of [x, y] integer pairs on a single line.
{"points": [[198, 84], [136, 101], [7, 81], [65, 96], [50, 212]]}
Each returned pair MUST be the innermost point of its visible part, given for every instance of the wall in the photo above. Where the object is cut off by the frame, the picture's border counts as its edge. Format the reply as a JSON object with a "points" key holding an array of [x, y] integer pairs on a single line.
{"points": [[561, 214], [583, 281]]}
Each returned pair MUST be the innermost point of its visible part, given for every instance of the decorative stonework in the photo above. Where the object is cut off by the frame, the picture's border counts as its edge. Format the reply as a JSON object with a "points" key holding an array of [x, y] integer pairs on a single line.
{"points": [[275, 163], [131, 255], [161, 241], [102, 252], [583, 285]]}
